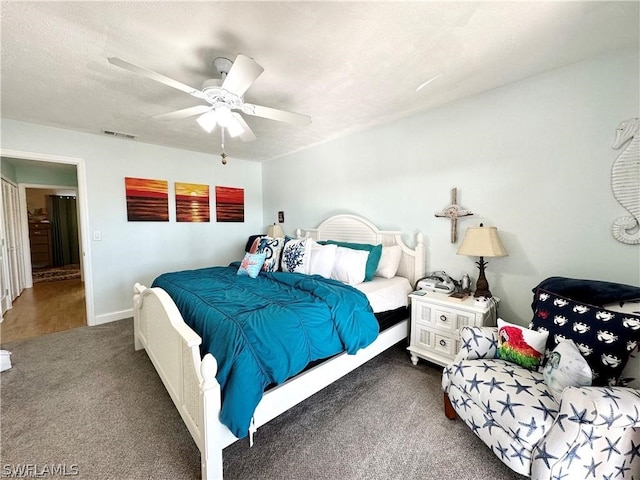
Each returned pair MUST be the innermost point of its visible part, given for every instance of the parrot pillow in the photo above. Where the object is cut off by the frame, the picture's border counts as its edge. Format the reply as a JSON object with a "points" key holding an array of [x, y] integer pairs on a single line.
{"points": [[520, 345]]}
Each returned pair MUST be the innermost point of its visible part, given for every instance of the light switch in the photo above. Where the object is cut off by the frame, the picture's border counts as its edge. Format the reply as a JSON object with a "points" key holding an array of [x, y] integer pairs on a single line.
{"points": [[97, 235]]}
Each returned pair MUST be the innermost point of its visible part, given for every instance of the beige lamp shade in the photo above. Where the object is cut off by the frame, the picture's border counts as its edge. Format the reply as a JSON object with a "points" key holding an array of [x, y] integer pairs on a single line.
{"points": [[275, 231], [482, 242]]}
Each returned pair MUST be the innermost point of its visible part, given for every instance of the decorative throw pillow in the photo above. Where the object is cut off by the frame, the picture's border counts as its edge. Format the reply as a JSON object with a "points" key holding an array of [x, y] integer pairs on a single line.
{"points": [[630, 376], [604, 337], [389, 261], [295, 255], [251, 264], [349, 265], [255, 244], [252, 243], [374, 251], [593, 292], [272, 247], [321, 259], [631, 307], [520, 345], [566, 367], [478, 342]]}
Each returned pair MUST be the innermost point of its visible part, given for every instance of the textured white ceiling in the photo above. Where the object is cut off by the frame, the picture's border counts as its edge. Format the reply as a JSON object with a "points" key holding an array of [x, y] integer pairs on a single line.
{"points": [[350, 65]]}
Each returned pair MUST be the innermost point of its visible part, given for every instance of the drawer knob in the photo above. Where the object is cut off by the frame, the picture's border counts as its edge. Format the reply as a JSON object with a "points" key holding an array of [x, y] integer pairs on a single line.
{"points": [[443, 343], [443, 318]]}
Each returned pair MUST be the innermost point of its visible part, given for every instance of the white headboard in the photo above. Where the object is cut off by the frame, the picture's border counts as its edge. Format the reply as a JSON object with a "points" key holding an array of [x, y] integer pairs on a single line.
{"points": [[351, 228]]}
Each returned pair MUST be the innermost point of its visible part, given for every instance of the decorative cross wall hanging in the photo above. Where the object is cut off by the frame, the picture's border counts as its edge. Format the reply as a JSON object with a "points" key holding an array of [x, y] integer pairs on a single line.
{"points": [[452, 212]]}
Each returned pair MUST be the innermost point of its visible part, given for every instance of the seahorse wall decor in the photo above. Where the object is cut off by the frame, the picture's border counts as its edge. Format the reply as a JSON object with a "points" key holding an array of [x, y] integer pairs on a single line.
{"points": [[625, 181]]}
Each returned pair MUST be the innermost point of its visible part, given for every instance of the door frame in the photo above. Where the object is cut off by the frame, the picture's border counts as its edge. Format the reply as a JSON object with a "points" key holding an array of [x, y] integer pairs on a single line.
{"points": [[7, 294], [83, 217]]}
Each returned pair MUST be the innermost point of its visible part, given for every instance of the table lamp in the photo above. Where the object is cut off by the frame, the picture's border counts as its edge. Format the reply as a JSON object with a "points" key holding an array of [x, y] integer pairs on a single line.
{"points": [[482, 242], [275, 231]]}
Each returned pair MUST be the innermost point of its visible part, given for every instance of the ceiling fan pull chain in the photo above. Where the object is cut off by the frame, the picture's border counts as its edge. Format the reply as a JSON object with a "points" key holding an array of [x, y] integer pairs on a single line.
{"points": [[224, 155]]}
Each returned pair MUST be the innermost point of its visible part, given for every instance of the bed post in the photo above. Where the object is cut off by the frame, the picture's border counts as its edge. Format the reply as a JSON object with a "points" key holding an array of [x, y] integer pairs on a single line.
{"points": [[137, 305], [211, 453], [419, 262]]}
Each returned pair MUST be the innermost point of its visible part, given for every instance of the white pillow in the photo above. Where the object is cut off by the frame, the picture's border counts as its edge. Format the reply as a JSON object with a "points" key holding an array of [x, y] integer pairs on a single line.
{"points": [[350, 265], [389, 261], [295, 256], [566, 367], [321, 259]]}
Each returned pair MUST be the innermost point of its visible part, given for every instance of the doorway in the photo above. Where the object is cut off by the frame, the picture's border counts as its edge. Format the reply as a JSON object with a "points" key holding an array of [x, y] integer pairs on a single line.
{"points": [[53, 234], [56, 299], [69, 253]]}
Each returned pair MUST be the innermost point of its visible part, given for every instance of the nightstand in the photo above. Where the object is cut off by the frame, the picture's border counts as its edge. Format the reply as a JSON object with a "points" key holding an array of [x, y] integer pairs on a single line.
{"points": [[436, 321]]}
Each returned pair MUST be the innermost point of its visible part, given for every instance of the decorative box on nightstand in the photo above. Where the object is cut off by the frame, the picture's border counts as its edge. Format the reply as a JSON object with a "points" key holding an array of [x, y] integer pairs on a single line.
{"points": [[436, 321]]}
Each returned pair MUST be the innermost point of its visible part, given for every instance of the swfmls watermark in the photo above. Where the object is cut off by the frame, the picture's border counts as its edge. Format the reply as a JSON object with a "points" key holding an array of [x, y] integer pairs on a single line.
{"points": [[36, 470]]}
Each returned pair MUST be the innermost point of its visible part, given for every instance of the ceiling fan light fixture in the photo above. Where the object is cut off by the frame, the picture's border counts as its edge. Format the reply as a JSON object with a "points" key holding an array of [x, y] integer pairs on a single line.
{"points": [[234, 128], [208, 121], [223, 115]]}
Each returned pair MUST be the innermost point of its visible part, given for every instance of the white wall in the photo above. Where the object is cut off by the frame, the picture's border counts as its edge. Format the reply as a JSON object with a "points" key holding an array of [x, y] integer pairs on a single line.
{"points": [[132, 252], [531, 158]]}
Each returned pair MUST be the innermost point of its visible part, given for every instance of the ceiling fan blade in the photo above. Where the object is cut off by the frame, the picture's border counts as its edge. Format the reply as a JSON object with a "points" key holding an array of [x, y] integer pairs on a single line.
{"points": [[184, 113], [275, 114], [155, 76], [247, 135], [242, 74]]}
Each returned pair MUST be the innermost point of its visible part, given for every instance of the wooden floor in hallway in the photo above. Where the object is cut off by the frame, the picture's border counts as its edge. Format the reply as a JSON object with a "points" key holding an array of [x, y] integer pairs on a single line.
{"points": [[46, 308]]}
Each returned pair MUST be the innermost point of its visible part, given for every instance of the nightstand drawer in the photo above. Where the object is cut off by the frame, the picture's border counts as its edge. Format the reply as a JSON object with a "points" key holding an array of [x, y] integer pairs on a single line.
{"points": [[449, 319], [426, 340], [445, 319], [444, 344]]}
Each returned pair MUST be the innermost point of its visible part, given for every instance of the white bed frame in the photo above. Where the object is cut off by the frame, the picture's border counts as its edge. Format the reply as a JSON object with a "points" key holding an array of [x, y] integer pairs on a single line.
{"points": [[191, 381]]}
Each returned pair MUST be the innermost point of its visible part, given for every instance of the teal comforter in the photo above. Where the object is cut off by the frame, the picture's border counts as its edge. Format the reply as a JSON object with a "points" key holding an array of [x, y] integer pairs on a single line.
{"points": [[264, 330]]}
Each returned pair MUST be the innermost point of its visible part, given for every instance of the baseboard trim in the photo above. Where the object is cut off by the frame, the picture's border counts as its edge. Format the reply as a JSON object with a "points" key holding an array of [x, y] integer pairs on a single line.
{"points": [[112, 317]]}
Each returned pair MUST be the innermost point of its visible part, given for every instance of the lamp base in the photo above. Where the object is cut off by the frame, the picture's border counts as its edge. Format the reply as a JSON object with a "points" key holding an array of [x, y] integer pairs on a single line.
{"points": [[482, 286]]}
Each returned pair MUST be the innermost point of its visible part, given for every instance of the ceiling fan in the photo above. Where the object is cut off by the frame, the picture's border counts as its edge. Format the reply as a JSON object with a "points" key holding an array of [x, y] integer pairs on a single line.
{"points": [[223, 95]]}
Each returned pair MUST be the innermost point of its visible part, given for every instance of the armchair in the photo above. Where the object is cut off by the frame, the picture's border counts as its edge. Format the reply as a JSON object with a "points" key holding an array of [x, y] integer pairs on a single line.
{"points": [[582, 432], [605, 423]]}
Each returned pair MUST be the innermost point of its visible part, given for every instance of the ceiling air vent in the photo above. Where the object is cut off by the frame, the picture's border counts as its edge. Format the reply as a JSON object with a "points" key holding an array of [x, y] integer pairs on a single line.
{"points": [[111, 133]]}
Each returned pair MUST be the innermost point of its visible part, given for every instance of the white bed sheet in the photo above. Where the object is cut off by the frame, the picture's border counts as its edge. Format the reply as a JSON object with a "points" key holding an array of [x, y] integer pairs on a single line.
{"points": [[386, 293]]}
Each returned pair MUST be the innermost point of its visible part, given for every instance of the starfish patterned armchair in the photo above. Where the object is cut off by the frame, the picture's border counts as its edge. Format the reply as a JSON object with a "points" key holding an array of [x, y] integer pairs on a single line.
{"points": [[560, 399]]}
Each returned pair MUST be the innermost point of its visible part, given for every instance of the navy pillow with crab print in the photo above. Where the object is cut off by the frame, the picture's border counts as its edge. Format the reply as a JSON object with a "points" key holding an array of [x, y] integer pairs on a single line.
{"points": [[605, 338]]}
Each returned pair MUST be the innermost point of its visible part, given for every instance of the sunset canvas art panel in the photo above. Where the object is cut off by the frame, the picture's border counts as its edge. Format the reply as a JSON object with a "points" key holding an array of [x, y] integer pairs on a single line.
{"points": [[229, 204], [147, 200], [192, 202]]}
